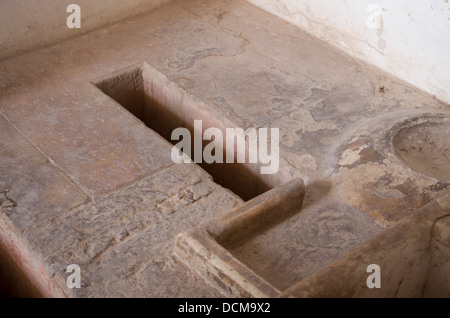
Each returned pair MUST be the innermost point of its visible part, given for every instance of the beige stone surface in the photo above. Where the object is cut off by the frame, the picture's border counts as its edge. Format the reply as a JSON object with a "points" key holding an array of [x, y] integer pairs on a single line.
{"points": [[209, 247], [122, 241], [409, 266], [29, 25], [31, 188], [84, 181], [405, 38], [438, 280]]}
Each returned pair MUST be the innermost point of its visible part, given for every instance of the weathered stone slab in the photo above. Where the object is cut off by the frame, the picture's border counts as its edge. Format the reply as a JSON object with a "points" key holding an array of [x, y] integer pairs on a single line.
{"points": [[32, 189], [236, 66], [205, 248], [404, 253], [121, 236]]}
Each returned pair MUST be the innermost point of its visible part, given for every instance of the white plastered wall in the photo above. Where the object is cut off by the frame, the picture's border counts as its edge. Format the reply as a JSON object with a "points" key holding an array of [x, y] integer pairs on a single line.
{"points": [[409, 39], [31, 24]]}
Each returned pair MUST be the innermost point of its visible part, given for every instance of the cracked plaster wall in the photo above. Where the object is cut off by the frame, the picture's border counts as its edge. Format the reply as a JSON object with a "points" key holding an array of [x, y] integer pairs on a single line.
{"points": [[409, 39]]}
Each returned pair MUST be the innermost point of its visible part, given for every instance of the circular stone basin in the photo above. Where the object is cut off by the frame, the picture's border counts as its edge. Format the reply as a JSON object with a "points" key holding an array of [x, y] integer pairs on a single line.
{"points": [[424, 145]]}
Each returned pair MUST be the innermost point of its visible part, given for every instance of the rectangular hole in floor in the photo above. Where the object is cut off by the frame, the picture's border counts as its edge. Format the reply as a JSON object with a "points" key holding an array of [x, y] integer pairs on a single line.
{"points": [[161, 106]]}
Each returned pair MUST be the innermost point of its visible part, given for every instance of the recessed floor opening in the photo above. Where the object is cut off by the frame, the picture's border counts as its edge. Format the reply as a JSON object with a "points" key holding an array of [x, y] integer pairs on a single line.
{"points": [[161, 106]]}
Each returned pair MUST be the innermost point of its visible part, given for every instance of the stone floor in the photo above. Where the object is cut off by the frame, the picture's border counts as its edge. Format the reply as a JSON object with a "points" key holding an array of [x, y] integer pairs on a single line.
{"points": [[83, 181]]}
